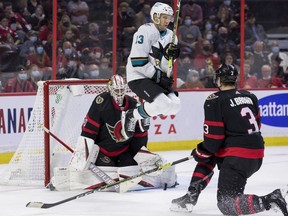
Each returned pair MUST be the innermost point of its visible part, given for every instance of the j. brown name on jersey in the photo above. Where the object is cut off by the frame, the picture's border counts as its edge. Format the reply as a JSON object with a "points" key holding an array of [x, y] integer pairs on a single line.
{"points": [[240, 100]]}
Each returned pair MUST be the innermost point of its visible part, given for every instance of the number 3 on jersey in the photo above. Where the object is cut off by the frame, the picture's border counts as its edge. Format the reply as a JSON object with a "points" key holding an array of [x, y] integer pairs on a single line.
{"points": [[139, 39], [246, 111]]}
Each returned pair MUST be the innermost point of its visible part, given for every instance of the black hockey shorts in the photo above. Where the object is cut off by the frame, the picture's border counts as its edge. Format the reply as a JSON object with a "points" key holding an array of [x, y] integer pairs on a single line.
{"points": [[124, 159], [147, 89]]}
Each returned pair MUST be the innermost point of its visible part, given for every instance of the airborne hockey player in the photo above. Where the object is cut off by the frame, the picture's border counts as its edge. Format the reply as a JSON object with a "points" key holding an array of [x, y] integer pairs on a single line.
{"points": [[233, 142], [147, 67], [102, 144]]}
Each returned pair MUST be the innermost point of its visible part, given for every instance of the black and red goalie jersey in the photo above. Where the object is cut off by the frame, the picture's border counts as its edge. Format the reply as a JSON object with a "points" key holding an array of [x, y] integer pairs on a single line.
{"points": [[103, 125]]}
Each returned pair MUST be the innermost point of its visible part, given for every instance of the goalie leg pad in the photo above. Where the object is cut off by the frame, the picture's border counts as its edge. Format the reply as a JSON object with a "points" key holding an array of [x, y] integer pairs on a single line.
{"points": [[61, 179], [86, 152], [88, 180], [65, 179], [168, 178]]}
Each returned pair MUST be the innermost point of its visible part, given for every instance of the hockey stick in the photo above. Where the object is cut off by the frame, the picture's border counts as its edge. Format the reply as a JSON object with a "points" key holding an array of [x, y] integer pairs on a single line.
{"points": [[56, 138], [96, 170], [132, 178], [170, 61]]}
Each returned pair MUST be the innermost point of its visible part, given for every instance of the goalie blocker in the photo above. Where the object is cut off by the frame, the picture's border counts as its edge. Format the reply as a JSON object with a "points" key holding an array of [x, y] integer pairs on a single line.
{"points": [[77, 175]]}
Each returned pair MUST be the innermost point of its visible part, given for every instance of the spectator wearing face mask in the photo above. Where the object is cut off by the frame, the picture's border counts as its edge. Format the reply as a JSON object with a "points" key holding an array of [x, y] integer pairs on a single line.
{"points": [[193, 80], [69, 64], [91, 71], [224, 44], [275, 51], [35, 75], [20, 83], [210, 35], [188, 35], [28, 47], [206, 55], [209, 26], [194, 10], [40, 57], [91, 38]]}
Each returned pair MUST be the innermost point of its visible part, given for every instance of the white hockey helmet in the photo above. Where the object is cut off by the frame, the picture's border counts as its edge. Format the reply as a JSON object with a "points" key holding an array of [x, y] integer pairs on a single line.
{"points": [[117, 87], [160, 8]]}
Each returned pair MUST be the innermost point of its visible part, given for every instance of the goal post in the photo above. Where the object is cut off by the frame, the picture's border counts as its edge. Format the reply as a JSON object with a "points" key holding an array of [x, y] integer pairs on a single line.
{"points": [[61, 107]]}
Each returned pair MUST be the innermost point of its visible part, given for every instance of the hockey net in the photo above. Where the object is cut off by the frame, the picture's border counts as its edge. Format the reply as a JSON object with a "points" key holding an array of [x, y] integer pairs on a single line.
{"points": [[61, 107]]}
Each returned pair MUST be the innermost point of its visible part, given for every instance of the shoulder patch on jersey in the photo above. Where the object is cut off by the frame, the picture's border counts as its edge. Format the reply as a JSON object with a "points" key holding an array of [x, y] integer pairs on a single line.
{"points": [[212, 96], [99, 99]]}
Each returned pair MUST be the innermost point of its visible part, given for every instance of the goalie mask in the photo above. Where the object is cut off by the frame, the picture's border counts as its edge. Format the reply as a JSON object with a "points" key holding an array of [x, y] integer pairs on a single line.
{"points": [[117, 87], [160, 8]]}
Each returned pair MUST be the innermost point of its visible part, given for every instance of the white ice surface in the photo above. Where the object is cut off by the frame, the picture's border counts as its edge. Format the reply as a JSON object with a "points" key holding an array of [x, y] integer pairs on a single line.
{"points": [[272, 175]]}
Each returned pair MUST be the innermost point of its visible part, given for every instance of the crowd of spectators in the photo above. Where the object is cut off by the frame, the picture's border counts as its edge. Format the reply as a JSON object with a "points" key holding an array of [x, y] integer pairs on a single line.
{"points": [[84, 41], [208, 33]]}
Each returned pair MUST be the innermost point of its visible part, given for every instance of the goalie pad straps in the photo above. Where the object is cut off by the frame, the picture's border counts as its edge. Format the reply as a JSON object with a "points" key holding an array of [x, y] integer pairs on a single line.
{"points": [[86, 152]]}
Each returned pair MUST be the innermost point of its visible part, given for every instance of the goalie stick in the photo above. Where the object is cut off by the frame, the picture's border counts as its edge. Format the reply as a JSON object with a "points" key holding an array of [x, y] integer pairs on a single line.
{"points": [[132, 178], [96, 170], [170, 61]]}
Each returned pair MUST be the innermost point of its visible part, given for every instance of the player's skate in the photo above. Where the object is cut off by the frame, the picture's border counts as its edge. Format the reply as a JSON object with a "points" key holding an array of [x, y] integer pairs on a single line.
{"points": [[128, 124], [186, 202], [276, 199], [144, 124]]}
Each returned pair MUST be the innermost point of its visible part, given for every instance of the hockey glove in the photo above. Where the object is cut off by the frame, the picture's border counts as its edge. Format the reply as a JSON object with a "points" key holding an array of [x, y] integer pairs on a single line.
{"points": [[201, 155], [161, 79], [171, 50]]}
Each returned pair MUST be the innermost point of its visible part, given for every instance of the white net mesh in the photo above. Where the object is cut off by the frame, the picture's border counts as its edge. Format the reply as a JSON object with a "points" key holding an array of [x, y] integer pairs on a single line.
{"points": [[68, 106]]}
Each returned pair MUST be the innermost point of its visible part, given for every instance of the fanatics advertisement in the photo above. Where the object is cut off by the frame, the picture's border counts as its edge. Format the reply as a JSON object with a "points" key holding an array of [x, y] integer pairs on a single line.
{"points": [[185, 126]]}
